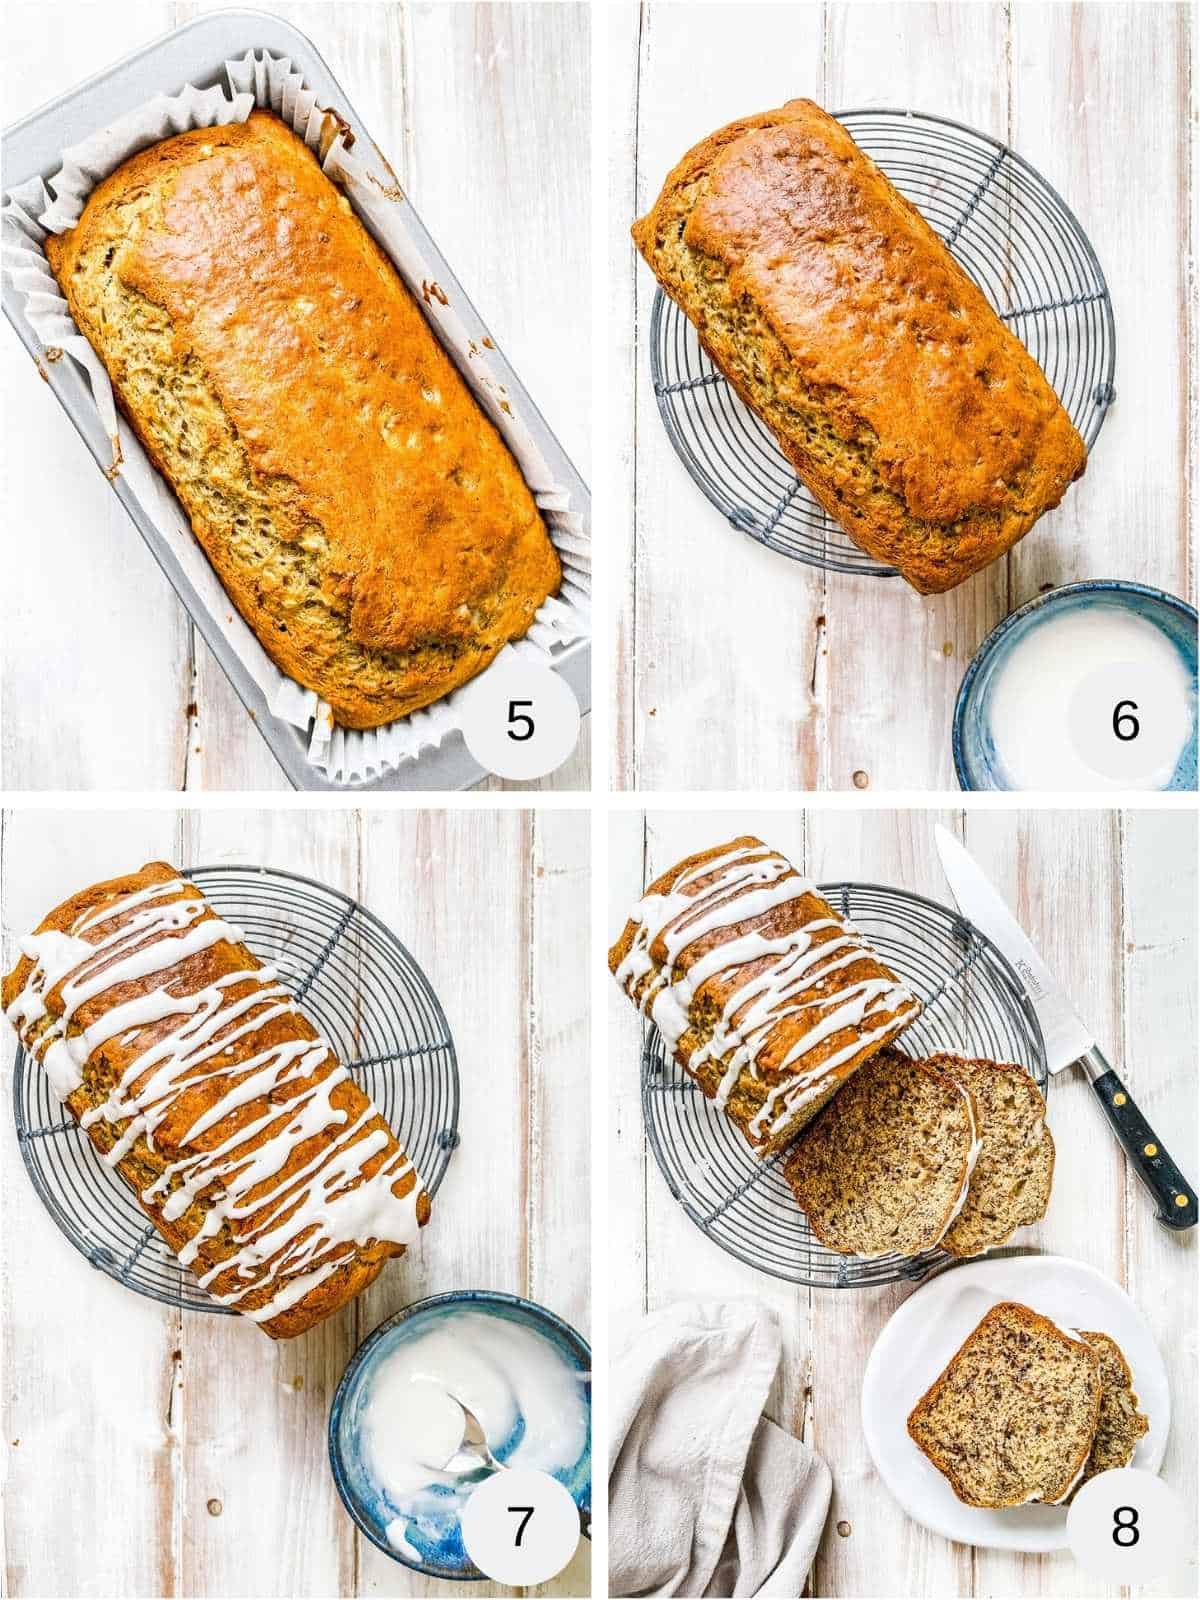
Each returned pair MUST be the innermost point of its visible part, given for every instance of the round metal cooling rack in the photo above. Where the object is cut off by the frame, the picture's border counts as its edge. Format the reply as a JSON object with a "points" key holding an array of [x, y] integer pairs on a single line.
{"points": [[1007, 228], [366, 995], [973, 1006]]}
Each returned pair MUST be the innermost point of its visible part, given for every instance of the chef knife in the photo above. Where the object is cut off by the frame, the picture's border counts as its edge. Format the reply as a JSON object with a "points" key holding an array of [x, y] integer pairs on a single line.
{"points": [[1068, 1041]]}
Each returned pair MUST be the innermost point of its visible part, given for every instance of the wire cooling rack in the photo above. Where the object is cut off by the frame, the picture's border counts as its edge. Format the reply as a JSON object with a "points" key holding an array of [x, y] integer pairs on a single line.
{"points": [[366, 995], [1007, 228], [973, 1006]]}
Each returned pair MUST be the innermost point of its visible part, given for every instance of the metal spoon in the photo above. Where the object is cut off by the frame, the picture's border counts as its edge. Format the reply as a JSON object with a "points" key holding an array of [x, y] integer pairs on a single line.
{"points": [[475, 1440]]}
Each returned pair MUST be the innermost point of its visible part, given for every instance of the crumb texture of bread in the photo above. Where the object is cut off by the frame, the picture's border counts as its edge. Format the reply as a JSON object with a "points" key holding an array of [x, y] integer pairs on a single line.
{"points": [[883, 1168], [1011, 1179], [767, 997], [1121, 1424], [1013, 1417], [906, 407], [365, 517], [197, 1077]]}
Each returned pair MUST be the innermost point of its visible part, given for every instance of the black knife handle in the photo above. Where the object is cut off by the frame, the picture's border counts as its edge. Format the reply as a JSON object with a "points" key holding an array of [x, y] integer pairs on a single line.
{"points": [[1175, 1197]]}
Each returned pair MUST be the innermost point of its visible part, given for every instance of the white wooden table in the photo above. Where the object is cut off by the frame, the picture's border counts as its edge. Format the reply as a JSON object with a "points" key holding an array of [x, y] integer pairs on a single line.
{"points": [[153, 1452], [810, 681], [107, 684], [1110, 899]]}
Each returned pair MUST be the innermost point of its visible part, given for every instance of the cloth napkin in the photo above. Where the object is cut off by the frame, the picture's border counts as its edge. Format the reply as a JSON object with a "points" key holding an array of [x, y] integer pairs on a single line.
{"points": [[706, 1496]]}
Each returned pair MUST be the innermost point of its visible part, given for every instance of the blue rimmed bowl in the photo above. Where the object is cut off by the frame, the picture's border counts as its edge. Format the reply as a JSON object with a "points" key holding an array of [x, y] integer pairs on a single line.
{"points": [[437, 1549], [976, 762]]}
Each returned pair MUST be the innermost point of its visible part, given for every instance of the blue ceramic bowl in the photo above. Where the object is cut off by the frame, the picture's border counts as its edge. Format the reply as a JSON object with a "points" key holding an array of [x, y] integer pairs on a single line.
{"points": [[442, 1555], [975, 759]]}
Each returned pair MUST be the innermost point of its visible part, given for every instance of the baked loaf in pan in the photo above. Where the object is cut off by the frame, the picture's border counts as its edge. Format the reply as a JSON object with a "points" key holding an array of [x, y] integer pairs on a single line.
{"points": [[197, 1077], [906, 407], [766, 996], [1013, 1416], [363, 514]]}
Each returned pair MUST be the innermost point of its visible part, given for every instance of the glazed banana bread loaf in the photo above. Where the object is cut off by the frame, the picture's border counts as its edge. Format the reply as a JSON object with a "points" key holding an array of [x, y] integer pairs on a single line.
{"points": [[363, 514], [197, 1077], [903, 403], [766, 996]]}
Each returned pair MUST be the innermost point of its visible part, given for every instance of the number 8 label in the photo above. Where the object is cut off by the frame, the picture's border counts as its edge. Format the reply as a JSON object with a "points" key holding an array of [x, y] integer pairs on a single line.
{"points": [[1129, 1527]]}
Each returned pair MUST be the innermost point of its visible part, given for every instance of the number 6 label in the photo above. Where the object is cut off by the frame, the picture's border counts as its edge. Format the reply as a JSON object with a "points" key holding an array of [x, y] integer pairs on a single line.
{"points": [[1128, 1527], [1128, 724], [519, 719], [520, 1527]]}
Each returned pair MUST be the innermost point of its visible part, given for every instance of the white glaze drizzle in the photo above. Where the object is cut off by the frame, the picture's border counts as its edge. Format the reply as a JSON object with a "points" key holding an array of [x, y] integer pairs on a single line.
{"points": [[310, 1221], [750, 881]]}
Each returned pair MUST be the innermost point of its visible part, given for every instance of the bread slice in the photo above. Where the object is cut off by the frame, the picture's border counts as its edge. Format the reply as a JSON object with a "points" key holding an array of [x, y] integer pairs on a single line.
{"points": [[1010, 1183], [1121, 1424], [884, 1167], [1014, 1415]]}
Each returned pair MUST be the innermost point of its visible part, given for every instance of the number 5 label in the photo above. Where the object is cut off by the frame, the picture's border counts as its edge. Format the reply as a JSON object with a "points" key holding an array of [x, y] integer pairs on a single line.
{"points": [[1128, 1527], [520, 1527], [519, 719]]}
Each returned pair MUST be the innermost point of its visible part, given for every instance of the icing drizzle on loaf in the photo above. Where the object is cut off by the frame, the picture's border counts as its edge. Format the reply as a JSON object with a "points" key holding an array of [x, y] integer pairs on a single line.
{"points": [[292, 1228], [741, 883]]}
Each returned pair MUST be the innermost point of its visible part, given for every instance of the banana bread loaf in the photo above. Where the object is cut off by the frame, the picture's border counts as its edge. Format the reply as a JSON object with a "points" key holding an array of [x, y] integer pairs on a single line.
{"points": [[765, 995], [196, 1076], [363, 514], [904, 404]]}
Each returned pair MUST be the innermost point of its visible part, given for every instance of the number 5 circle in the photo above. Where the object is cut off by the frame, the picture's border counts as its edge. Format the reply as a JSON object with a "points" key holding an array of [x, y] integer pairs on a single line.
{"points": [[519, 719], [1128, 1527], [520, 1527]]}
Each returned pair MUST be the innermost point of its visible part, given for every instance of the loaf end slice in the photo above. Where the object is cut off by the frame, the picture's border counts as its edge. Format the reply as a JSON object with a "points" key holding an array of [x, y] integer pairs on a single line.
{"points": [[1121, 1424]]}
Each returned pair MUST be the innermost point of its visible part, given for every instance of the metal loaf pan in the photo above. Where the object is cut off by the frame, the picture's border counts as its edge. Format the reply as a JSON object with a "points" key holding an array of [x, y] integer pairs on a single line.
{"points": [[195, 53]]}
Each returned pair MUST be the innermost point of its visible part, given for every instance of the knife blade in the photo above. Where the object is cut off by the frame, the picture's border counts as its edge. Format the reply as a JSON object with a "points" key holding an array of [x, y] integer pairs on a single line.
{"points": [[1068, 1041], [1066, 1037]]}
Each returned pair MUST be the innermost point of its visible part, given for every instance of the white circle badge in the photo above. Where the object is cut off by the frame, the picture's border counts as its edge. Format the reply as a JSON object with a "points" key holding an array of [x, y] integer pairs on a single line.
{"points": [[520, 1527], [520, 719], [1128, 1527], [1129, 721]]}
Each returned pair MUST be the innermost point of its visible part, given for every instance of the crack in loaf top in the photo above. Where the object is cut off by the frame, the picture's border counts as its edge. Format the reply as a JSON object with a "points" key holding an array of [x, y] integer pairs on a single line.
{"points": [[327, 369], [869, 304]]}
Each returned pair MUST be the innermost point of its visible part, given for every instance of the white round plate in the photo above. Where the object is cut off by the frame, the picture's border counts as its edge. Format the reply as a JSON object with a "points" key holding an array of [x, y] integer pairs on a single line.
{"points": [[926, 1331]]}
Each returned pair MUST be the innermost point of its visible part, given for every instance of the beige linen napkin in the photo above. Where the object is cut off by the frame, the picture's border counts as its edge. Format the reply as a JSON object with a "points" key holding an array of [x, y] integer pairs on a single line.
{"points": [[706, 1496]]}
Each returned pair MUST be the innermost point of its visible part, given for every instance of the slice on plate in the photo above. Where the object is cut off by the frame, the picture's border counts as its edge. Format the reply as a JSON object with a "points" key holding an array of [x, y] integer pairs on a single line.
{"points": [[1010, 1182], [885, 1166], [1014, 1415], [1121, 1424]]}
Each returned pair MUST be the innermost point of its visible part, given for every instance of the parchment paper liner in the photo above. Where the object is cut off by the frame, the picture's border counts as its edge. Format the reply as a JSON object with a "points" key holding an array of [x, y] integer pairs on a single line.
{"points": [[37, 208]]}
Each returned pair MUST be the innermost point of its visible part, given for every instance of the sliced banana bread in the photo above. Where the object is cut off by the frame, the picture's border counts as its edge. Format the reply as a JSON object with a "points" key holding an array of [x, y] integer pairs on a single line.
{"points": [[1014, 1415], [1121, 1424], [885, 1166], [1010, 1184]]}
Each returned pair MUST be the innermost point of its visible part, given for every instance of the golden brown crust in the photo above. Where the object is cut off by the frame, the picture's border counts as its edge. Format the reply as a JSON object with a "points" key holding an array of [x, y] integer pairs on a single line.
{"points": [[144, 1164], [912, 414], [752, 1088], [364, 515]]}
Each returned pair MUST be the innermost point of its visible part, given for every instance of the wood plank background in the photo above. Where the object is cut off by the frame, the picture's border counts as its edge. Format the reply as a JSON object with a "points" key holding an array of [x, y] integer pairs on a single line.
{"points": [[156, 1453], [811, 680], [1110, 899], [483, 110]]}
